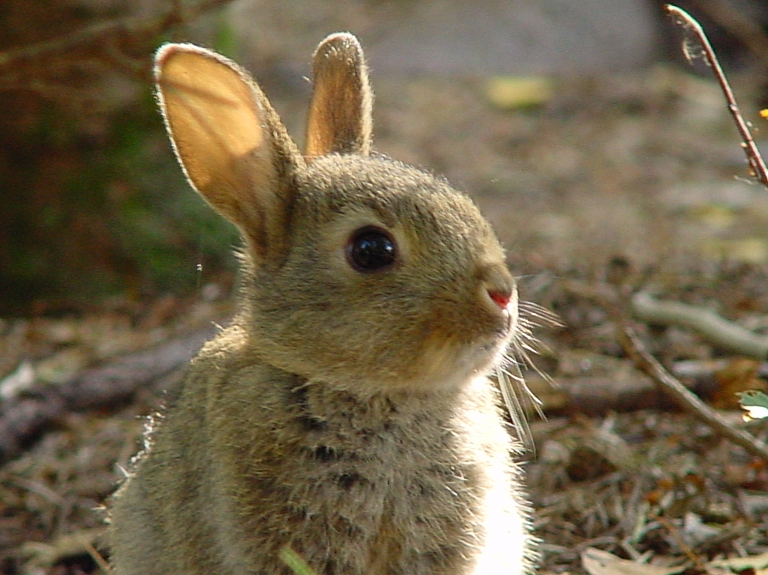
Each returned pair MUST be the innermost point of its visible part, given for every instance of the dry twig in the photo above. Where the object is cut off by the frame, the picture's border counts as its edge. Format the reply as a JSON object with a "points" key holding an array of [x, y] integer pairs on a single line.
{"points": [[682, 396], [756, 164], [735, 21], [24, 417], [613, 303]]}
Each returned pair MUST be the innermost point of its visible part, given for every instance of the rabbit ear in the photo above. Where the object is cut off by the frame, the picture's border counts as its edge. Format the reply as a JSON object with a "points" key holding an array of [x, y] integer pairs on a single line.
{"points": [[340, 112], [229, 141]]}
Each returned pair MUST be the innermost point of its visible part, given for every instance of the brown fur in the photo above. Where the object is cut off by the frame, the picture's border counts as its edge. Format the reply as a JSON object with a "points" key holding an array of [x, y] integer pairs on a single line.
{"points": [[344, 414]]}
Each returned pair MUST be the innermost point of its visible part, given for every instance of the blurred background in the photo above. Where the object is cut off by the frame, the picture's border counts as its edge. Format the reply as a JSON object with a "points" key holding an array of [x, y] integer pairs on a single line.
{"points": [[601, 156], [578, 126]]}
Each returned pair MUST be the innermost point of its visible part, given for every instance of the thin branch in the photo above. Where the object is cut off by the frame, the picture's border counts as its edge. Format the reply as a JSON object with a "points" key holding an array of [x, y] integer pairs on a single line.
{"points": [[25, 417], [681, 542], [684, 398], [756, 163], [748, 30], [615, 304]]}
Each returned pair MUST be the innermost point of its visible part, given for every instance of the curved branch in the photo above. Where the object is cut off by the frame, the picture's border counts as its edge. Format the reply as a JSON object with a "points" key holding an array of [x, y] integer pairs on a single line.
{"points": [[756, 163]]}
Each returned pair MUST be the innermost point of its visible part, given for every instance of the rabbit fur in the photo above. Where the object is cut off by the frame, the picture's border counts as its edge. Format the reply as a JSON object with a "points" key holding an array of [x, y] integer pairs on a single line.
{"points": [[345, 413]]}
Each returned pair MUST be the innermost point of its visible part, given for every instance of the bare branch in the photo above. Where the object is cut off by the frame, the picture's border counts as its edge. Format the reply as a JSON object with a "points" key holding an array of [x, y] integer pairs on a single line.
{"points": [[23, 418], [616, 304], [683, 397], [756, 163], [716, 329], [737, 22]]}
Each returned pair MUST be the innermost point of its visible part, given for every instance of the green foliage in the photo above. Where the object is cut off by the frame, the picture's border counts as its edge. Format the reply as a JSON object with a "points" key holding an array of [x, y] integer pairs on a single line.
{"points": [[93, 212], [225, 41], [295, 562], [162, 224]]}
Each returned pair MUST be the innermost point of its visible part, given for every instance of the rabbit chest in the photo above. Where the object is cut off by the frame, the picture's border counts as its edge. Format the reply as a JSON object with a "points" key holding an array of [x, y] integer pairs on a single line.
{"points": [[362, 485], [250, 460]]}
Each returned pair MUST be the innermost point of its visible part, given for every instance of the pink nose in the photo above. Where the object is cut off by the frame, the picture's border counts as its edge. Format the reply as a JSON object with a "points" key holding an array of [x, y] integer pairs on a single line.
{"points": [[500, 297]]}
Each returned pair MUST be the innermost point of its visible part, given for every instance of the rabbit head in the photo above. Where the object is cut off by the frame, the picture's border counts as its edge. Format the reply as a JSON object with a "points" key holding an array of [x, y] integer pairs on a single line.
{"points": [[361, 272]]}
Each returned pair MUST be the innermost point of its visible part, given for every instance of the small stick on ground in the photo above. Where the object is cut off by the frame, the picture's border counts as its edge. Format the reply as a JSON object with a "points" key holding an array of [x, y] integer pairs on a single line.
{"points": [[683, 397], [756, 163], [716, 329], [616, 305], [24, 417], [681, 542]]}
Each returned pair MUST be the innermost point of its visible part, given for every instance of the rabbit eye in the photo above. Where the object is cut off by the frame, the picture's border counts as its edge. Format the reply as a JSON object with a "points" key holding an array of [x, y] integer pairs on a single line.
{"points": [[371, 249]]}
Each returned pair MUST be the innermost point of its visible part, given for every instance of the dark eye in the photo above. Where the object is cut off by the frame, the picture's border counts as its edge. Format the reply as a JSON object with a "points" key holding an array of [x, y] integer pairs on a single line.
{"points": [[371, 249]]}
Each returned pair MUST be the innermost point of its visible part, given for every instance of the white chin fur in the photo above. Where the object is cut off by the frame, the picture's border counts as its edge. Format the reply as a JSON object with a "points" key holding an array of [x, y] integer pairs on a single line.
{"points": [[448, 367]]}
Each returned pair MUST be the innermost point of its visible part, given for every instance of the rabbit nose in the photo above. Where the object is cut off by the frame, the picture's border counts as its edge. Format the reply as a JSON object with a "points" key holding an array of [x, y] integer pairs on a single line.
{"points": [[500, 286], [500, 297]]}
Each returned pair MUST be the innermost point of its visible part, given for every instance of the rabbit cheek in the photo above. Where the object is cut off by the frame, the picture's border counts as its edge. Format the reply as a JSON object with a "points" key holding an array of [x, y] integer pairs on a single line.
{"points": [[455, 358], [446, 367], [452, 366]]}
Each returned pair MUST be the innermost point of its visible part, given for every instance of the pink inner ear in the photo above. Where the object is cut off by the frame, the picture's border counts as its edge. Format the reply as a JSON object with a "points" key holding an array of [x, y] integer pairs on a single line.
{"points": [[501, 298]]}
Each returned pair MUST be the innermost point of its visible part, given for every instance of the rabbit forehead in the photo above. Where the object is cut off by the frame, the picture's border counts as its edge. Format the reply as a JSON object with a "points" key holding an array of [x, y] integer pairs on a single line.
{"points": [[394, 195]]}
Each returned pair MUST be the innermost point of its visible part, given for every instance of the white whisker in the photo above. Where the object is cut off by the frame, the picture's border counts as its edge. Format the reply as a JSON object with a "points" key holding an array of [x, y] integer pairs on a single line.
{"points": [[518, 397]]}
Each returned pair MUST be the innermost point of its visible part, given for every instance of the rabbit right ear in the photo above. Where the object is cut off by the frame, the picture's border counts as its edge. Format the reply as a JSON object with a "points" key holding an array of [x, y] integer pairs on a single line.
{"points": [[229, 141], [340, 112]]}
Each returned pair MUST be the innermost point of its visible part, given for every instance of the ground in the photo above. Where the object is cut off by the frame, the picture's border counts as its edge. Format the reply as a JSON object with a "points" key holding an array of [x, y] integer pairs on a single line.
{"points": [[633, 182]]}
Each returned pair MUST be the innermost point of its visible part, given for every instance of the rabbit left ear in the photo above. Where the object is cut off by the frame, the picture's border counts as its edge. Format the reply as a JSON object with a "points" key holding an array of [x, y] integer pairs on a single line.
{"points": [[230, 142], [340, 114]]}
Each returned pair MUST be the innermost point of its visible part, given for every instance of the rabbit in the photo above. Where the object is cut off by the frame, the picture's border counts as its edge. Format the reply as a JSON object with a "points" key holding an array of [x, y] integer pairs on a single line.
{"points": [[345, 414]]}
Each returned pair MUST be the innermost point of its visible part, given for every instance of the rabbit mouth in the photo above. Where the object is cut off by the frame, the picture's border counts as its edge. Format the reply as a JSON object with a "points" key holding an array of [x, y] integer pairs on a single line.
{"points": [[510, 324]]}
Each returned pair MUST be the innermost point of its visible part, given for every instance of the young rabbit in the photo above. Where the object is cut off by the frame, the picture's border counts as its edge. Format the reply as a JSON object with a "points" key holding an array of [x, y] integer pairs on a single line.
{"points": [[345, 413]]}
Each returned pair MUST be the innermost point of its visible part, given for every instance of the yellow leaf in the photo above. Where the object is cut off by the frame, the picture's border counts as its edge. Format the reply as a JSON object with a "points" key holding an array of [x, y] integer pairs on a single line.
{"points": [[509, 92]]}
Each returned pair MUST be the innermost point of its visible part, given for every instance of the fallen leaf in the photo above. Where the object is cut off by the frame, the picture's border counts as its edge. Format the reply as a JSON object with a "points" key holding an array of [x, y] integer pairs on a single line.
{"points": [[755, 403], [509, 92], [759, 563], [599, 562]]}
